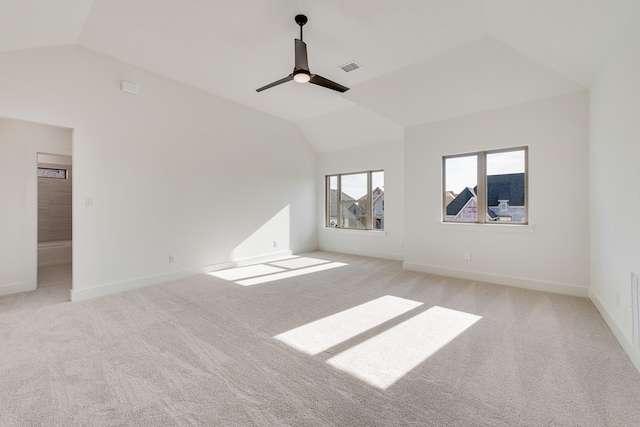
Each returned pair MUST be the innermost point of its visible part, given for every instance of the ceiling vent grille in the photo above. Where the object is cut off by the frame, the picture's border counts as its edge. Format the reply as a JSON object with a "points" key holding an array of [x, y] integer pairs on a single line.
{"points": [[350, 66]]}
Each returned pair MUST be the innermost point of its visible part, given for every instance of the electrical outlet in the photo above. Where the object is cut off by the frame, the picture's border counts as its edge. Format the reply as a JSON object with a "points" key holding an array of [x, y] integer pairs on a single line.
{"points": [[467, 257], [618, 298], [275, 243], [172, 259]]}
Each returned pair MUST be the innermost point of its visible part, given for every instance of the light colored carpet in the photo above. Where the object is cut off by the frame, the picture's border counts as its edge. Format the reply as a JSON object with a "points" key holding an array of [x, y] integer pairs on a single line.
{"points": [[361, 344]]}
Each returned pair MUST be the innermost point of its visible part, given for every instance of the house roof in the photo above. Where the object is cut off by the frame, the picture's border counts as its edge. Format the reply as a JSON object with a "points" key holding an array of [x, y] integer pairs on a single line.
{"points": [[460, 201], [422, 61], [507, 187], [333, 201]]}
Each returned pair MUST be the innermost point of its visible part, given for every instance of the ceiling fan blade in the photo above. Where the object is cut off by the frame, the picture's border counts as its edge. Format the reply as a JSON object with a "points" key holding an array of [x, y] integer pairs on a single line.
{"points": [[302, 62], [276, 83], [321, 81]]}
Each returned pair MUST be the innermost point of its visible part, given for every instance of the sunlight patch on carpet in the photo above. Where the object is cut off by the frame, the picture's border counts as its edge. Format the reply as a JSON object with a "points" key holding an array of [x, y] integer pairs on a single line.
{"points": [[275, 270], [322, 334], [387, 357], [298, 262], [238, 273], [290, 273]]}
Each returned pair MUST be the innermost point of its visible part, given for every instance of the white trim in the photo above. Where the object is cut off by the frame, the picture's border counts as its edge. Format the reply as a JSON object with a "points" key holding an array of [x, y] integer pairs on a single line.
{"points": [[518, 282], [355, 231], [14, 288], [373, 254], [618, 332], [112, 288], [489, 228], [305, 249]]}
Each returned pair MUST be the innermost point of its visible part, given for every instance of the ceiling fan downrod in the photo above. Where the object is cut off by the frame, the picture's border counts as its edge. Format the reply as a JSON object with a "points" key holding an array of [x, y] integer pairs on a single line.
{"points": [[301, 20]]}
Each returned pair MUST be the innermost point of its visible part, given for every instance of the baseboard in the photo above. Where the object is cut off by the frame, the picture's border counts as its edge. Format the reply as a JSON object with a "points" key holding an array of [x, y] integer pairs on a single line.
{"points": [[305, 249], [14, 288], [518, 282], [623, 339], [112, 288], [373, 254]]}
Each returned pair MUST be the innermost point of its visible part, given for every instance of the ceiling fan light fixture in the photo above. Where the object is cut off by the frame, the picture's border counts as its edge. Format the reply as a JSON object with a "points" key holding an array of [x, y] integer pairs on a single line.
{"points": [[301, 73], [301, 76]]}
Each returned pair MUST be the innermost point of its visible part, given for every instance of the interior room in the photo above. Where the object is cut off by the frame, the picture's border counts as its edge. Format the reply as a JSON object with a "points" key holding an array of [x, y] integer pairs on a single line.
{"points": [[241, 213]]}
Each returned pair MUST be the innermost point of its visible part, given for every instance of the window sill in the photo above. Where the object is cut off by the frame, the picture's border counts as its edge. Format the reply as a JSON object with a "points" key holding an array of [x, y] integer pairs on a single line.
{"points": [[378, 233], [489, 228]]}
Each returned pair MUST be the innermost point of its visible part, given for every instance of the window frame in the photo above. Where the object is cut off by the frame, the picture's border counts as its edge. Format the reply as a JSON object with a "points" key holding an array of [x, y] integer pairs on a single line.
{"points": [[481, 182], [369, 220], [65, 172]]}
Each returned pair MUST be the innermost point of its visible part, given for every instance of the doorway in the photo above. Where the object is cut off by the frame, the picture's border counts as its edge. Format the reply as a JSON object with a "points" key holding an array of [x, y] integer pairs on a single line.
{"points": [[54, 212]]}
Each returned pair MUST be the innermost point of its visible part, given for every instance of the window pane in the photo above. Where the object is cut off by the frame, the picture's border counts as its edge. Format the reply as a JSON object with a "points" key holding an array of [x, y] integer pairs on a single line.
{"points": [[460, 188], [332, 201], [354, 201], [506, 186], [377, 200], [52, 173]]}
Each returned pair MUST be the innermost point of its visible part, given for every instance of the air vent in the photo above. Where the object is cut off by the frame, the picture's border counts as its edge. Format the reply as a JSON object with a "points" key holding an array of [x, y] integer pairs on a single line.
{"points": [[350, 66]]}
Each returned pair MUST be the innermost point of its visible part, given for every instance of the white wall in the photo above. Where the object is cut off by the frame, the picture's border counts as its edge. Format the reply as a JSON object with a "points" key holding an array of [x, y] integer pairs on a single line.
{"points": [[388, 244], [20, 143], [172, 171], [553, 252], [615, 189]]}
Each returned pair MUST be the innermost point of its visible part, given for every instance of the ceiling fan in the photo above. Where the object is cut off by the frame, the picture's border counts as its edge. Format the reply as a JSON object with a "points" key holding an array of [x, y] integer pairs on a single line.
{"points": [[301, 73]]}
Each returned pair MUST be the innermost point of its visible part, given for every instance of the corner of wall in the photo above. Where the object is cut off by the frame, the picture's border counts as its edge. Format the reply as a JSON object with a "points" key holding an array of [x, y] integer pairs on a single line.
{"points": [[623, 339]]}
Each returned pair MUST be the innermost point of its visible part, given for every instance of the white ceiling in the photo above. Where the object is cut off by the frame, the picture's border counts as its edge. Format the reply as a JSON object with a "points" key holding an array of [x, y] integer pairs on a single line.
{"points": [[423, 60]]}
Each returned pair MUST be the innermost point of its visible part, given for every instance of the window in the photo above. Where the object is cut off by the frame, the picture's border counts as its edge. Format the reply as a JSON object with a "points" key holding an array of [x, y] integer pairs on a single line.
{"points": [[52, 173], [355, 200], [494, 179]]}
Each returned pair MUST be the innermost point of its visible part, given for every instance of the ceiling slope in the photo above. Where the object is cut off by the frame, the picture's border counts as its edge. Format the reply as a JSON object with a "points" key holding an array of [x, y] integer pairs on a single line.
{"points": [[422, 60], [480, 76], [26, 24]]}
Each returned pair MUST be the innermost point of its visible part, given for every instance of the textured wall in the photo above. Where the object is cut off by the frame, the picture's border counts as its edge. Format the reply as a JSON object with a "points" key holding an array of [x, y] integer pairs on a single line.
{"points": [[54, 206]]}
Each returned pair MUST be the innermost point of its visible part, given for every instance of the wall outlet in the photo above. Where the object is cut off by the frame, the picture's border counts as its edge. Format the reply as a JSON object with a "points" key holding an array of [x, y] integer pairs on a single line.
{"points": [[172, 259], [467, 257], [618, 298], [275, 243]]}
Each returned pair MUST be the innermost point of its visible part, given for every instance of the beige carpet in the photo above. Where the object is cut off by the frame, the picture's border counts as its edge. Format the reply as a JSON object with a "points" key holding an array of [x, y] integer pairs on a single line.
{"points": [[324, 339]]}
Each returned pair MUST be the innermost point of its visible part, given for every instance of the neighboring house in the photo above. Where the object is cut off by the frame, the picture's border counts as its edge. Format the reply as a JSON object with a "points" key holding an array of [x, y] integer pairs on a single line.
{"points": [[505, 196], [448, 197], [354, 211], [333, 206], [378, 208], [465, 207], [505, 200]]}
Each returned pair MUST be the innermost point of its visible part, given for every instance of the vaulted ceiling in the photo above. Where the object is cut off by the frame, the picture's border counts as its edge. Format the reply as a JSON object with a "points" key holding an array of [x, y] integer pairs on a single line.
{"points": [[422, 60]]}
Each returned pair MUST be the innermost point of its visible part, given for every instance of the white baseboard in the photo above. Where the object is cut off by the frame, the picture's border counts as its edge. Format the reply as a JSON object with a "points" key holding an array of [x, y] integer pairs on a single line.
{"points": [[305, 249], [518, 282], [14, 288], [374, 254], [112, 288], [623, 339]]}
